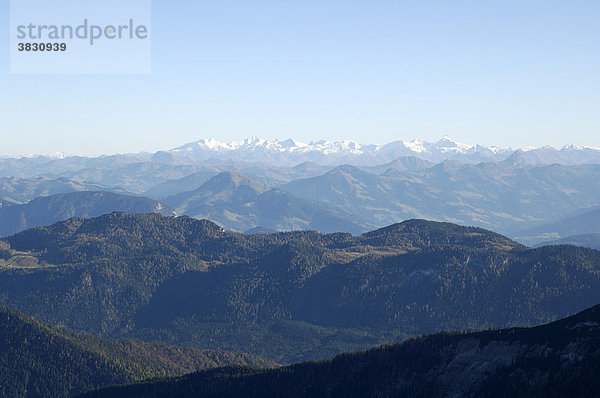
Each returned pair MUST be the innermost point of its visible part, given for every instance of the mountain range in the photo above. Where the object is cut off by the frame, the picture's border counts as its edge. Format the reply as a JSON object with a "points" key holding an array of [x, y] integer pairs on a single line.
{"points": [[285, 153], [290, 152], [136, 268], [505, 196], [286, 296], [507, 191], [512, 196]]}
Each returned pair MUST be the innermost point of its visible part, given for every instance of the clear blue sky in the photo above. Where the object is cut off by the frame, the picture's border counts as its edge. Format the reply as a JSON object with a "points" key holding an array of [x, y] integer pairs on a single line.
{"points": [[506, 73]]}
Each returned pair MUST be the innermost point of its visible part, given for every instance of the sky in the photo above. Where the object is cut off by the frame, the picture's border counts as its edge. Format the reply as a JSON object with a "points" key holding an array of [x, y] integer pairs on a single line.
{"points": [[510, 74]]}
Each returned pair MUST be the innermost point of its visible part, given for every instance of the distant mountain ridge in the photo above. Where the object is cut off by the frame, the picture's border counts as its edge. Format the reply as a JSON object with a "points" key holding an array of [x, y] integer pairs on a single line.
{"points": [[22, 190], [51, 209], [507, 196], [504, 196], [290, 151], [583, 221]]}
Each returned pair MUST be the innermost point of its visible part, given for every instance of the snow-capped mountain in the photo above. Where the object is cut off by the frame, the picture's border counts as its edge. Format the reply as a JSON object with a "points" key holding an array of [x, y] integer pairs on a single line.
{"points": [[290, 152]]}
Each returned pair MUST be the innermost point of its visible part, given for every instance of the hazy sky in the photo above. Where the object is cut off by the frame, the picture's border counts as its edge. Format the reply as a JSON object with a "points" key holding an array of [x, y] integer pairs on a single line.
{"points": [[506, 73]]}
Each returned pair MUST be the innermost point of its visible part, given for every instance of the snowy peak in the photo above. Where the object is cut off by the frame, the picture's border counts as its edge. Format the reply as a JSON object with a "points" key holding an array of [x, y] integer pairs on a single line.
{"points": [[290, 152], [447, 141], [416, 146], [207, 144]]}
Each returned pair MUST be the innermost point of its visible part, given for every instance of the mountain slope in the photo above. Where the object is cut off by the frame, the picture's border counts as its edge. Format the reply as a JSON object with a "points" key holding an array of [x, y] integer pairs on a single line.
{"points": [[286, 296], [38, 360], [136, 177], [404, 163], [238, 202], [51, 209], [346, 187], [185, 184], [582, 222], [554, 360], [585, 240], [22, 190], [223, 188], [269, 175]]}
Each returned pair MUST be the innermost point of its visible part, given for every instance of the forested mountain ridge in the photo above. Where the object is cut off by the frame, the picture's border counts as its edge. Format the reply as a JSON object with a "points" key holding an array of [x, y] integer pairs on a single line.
{"points": [[137, 234], [554, 360], [39, 360], [286, 296]]}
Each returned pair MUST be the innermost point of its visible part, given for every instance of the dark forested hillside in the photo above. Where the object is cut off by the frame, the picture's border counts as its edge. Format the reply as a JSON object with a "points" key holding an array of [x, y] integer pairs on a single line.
{"points": [[38, 360], [561, 359], [286, 296]]}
